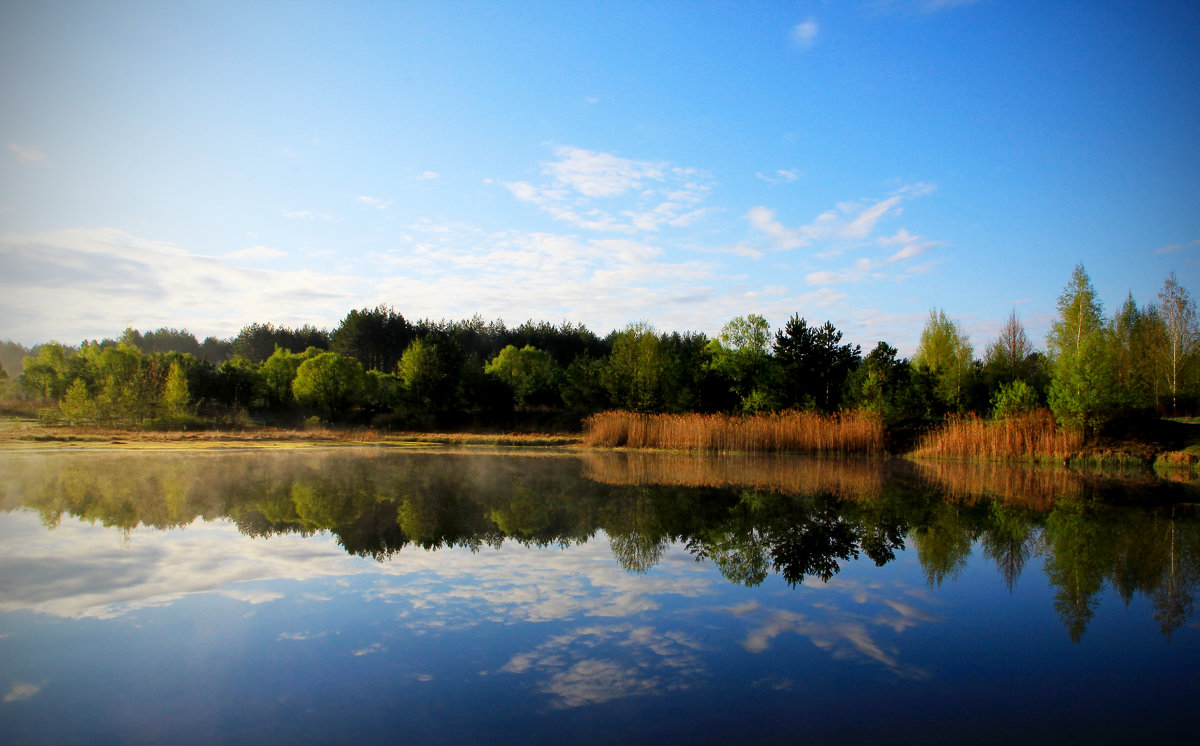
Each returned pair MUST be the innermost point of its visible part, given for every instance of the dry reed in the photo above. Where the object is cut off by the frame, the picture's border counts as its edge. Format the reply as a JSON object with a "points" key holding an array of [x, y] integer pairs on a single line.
{"points": [[791, 476], [807, 432], [1025, 437]]}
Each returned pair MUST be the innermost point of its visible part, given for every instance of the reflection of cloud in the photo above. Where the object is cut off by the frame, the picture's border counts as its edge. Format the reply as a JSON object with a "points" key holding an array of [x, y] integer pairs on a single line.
{"points": [[375, 647], [842, 632], [590, 665], [22, 691], [252, 597], [593, 681]]}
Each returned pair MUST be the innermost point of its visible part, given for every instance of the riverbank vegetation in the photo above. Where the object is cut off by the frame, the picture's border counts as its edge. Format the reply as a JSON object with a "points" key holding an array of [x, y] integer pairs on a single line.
{"points": [[800, 387]]}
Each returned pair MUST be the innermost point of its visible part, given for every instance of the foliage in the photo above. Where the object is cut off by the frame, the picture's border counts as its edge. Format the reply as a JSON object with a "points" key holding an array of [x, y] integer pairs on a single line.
{"points": [[431, 370], [814, 365], [331, 382], [740, 354], [375, 337], [1081, 391], [635, 375], [531, 374], [945, 352], [1014, 398]]}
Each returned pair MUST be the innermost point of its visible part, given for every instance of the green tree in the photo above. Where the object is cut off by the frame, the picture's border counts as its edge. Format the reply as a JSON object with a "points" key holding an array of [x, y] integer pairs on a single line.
{"points": [[636, 370], [945, 352], [814, 364], [1081, 387], [375, 337], [45, 373], [278, 372], [740, 354], [1131, 334], [176, 402], [330, 382], [431, 370], [532, 374], [77, 404]]}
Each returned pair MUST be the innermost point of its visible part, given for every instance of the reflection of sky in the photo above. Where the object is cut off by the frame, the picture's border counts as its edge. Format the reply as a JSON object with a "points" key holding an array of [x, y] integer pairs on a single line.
{"points": [[284, 625]]}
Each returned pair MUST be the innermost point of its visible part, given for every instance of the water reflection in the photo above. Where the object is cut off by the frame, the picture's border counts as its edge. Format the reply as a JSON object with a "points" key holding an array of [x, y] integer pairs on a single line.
{"points": [[801, 519]]}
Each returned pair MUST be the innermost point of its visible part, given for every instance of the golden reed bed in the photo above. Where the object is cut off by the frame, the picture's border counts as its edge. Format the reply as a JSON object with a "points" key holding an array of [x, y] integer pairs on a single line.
{"points": [[1027, 437], [807, 432]]}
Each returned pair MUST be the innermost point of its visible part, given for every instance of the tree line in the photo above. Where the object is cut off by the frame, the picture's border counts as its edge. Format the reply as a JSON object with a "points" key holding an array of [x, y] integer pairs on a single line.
{"points": [[377, 367]]}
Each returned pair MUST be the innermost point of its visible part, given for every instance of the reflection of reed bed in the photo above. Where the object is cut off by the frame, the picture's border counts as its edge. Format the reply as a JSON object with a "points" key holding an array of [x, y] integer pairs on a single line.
{"points": [[1020, 437], [793, 476], [848, 432], [1028, 487]]}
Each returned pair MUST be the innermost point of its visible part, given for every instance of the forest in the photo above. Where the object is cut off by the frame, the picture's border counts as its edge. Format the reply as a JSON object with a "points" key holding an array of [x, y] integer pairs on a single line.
{"points": [[380, 369]]}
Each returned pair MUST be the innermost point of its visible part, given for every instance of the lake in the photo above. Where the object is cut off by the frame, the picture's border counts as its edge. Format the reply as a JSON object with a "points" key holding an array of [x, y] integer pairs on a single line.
{"points": [[388, 595]]}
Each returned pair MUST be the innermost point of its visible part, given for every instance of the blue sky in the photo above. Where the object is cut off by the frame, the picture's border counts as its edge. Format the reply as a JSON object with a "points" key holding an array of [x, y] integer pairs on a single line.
{"points": [[207, 165]]}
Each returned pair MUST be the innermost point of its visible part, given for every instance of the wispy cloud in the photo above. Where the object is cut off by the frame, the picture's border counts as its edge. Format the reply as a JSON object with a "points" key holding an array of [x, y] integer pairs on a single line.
{"points": [[837, 229], [1171, 249], [862, 269], [310, 215], [376, 202], [608, 193], [781, 176], [26, 153], [257, 252], [427, 175], [804, 34]]}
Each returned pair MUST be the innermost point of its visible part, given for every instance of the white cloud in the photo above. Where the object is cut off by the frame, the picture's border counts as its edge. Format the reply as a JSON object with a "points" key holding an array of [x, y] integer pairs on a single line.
{"points": [[257, 252], [803, 34], [839, 228], [427, 175], [376, 202], [763, 220], [100, 280], [909, 246], [607, 193], [26, 153]]}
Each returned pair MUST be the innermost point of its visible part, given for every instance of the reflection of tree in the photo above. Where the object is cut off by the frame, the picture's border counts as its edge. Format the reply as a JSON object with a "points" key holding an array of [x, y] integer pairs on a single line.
{"points": [[944, 543], [375, 503], [1009, 540], [1072, 566], [1174, 599]]}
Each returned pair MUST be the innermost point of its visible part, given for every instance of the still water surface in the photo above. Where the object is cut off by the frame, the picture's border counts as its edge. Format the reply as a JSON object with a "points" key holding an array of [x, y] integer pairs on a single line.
{"points": [[347, 596]]}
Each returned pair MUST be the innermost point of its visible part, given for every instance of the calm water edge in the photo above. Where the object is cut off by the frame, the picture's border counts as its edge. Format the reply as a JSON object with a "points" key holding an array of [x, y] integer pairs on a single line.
{"points": [[355, 595]]}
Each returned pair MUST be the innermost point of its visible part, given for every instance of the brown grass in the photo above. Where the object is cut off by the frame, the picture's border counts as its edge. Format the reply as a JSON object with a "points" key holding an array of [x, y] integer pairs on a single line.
{"points": [[791, 476], [850, 432], [1024, 437]]}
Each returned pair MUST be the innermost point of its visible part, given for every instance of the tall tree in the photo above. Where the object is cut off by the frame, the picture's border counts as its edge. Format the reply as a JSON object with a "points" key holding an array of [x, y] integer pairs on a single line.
{"points": [[636, 370], [945, 352], [1178, 312], [1081, 390], [813, 363], [1007, 359], [740, 353]]}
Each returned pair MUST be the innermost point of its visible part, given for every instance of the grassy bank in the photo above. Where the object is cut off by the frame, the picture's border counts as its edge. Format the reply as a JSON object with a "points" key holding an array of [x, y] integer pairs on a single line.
{"points": [[846, 433]]}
